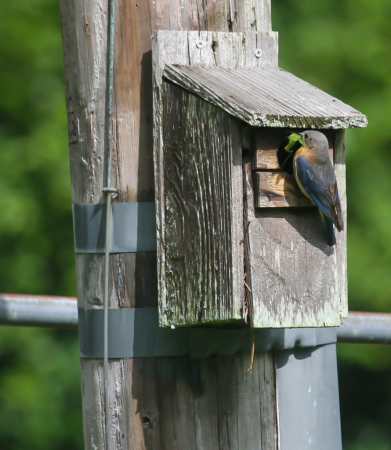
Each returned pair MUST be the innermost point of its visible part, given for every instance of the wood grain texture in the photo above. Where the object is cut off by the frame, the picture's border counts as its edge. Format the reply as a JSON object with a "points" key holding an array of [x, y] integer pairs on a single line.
{"points": [[342, 265], [211, 403], [248, 208], [266, 96], [269, 416], [124, 291], [179, 402], [203, 209], [266, 143], [133, 276], [278, 189], [296, 279], [214, 49], [266, 160]]}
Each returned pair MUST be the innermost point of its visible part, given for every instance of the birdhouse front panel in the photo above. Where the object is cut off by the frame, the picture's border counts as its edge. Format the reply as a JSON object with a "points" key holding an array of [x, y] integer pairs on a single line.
{"points": [[296, 278], [249, 232], [203, 222]]}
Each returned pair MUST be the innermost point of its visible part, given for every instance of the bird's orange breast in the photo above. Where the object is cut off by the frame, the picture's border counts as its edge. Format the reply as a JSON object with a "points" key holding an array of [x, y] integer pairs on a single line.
{"points": [[306, 152]]}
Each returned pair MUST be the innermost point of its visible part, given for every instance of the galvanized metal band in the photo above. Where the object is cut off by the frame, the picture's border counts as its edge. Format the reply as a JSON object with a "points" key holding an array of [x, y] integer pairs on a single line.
{"points": [[308, 400], [133, 227], [135, 332]]}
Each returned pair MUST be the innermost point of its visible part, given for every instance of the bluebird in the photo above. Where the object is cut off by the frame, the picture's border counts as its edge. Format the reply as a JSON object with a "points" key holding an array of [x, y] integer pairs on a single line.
{"points": [[315, 176]]}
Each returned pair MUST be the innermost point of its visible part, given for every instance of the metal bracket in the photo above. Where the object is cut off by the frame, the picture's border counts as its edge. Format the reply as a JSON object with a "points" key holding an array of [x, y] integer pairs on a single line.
{"points": [[133, 227], [135, 332], [308, 400]]}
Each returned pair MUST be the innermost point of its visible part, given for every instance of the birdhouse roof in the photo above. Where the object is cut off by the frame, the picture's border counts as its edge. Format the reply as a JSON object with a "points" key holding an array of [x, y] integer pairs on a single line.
{"points": [[266, 97]]}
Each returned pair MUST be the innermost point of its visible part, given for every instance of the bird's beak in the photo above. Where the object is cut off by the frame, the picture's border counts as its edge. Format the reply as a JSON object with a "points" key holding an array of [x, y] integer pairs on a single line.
{"points": [[302, 134]]}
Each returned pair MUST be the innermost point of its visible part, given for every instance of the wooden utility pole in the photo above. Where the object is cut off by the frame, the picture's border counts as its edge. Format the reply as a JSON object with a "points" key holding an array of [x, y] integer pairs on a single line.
{"points": [[168, 402]]}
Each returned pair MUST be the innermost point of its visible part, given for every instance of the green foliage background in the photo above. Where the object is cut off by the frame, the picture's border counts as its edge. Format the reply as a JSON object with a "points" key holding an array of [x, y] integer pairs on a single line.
{"points": [[341, 46]]}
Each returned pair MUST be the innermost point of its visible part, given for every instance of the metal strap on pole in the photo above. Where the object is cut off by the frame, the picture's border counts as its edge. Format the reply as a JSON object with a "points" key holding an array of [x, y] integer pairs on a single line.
{"points": [[133, 227]]}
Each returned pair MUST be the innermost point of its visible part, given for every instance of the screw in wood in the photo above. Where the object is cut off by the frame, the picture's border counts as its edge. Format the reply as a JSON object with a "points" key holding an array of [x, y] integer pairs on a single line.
{"points": [[258, 52], [199, 43]]}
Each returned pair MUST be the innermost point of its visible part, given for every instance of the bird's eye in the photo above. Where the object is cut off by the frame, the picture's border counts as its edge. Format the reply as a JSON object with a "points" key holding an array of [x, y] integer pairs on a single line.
{"points": [[306, 136]]}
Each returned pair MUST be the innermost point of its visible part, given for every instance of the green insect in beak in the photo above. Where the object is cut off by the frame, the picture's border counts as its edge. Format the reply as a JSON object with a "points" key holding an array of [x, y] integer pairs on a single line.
{"points": [[293, 138]]}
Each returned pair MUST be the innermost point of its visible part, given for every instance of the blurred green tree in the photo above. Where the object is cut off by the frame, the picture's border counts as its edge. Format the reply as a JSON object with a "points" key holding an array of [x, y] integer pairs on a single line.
{"points": [[40, 401], [36, 221], [340, 46]]}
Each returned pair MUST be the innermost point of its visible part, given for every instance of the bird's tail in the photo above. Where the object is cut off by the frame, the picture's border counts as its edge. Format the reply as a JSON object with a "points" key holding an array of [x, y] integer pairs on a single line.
{"points": [[330, 235]]}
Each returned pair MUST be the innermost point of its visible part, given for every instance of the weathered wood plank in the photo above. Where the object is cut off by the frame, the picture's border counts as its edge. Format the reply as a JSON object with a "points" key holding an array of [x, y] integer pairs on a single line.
{"points": [[266, 143], [250, 15], [278, 189], [268, 393], [217, 49], [203, 209], [231, 50], [268, 47], [248, 209], [93, 410], [266, 160], [211, 403], [228, 403], [124, 292], [205, 379], [266, 96], [212, 49], [341, 260], [296, 279], [252, 412]]}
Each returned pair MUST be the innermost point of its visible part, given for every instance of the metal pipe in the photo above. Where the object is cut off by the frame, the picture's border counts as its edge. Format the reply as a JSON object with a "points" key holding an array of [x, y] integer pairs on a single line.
{"points": [[38, 311], [48, 311], [365, 327]]}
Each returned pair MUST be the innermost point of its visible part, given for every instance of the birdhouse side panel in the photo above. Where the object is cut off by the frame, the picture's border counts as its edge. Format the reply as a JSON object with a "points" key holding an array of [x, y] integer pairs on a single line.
{"points": [[203, 208], [341, 255]]}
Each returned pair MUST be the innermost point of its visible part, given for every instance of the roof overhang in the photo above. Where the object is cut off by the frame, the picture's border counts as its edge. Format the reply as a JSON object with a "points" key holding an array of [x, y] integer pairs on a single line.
{"points": [[266, 97]]}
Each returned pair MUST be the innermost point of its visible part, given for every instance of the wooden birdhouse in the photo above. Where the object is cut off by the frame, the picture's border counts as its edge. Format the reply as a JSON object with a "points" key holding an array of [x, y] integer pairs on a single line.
{"points": [[237, 240]]}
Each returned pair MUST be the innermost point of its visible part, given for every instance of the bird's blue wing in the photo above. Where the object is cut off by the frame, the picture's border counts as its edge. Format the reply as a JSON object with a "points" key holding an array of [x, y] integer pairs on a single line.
{"points": [[316, 187]]}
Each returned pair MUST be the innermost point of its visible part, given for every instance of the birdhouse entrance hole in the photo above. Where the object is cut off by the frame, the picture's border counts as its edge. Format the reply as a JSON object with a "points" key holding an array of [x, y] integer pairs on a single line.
{"points": [[285, 158], [273, 167]]}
